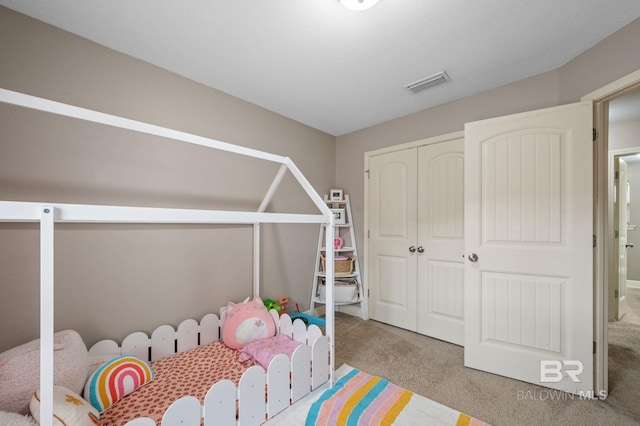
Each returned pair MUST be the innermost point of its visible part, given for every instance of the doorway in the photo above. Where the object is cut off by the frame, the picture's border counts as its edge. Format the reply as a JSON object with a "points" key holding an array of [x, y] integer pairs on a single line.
{"points": [[611, 95]]}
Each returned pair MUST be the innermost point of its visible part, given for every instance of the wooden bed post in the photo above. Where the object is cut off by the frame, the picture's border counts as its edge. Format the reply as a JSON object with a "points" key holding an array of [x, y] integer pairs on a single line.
{"points": [[46, 315]]}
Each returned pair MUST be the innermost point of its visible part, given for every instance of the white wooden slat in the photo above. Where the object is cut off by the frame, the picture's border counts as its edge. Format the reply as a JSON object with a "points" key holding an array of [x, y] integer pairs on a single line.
{"points": [[286, 327], [220, 404], [209, 329], [313, 332], [136, 344], [320, 362], [300, 372], [105, 347], [186, 411], [276, 319], [163, 342], [252, 407], [187, 335], [141, 421], [278, 382], [299, 331]]}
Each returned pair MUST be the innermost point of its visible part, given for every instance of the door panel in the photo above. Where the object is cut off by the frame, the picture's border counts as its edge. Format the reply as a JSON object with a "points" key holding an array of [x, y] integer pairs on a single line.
{"points": [[441, 234], [392, 222], [528, 218]]}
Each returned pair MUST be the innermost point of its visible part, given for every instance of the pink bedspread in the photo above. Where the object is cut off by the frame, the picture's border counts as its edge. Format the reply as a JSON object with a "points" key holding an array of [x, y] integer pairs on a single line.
{"points": [[189, 373]]}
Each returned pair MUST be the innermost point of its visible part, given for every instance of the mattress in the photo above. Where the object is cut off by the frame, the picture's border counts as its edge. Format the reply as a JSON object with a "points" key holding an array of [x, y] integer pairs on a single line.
{"points": [[189, 373]]}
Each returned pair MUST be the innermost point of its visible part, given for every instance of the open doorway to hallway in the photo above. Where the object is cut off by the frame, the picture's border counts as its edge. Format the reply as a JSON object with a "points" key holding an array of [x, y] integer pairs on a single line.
{"points": [[623, 328], [624, 154]]}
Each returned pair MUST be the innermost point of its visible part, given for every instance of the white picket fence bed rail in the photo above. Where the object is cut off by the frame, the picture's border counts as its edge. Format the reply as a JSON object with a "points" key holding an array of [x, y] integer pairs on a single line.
{"points": [[286, 381]]}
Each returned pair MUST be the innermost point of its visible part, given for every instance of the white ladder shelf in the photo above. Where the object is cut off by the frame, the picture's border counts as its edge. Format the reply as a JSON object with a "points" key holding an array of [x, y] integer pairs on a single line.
{"points": [[348, 289]]}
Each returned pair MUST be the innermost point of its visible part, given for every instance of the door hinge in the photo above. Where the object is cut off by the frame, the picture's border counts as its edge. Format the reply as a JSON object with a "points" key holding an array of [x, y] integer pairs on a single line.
{"points": [[616, 234], [595, 239], [616, 293], [368, 233], [595, 134], [616, 175], [594, 347]]}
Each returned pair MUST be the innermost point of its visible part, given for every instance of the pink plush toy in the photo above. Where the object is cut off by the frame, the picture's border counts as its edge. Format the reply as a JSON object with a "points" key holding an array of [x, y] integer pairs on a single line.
{"points": [[246, 322], [338, 243]]}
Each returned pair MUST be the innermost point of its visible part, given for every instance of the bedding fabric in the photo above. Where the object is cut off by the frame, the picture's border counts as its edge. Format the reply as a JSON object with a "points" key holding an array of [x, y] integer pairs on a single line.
{"points": [[190, 373], [261, 352]]}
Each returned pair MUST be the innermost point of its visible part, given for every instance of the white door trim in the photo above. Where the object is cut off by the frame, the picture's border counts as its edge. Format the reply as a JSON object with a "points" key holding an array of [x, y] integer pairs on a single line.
{"points": [[602, 261]]}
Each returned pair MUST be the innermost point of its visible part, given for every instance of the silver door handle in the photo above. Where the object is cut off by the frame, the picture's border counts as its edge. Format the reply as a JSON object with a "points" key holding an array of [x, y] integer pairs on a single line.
{"points": [[412, 249], [473, 257], [630, 245], [420, 249]]}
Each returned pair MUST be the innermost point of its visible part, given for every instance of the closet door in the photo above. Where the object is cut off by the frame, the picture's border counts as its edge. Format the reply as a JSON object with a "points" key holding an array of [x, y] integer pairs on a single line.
{"points": [[441, 240], [392, 238]]}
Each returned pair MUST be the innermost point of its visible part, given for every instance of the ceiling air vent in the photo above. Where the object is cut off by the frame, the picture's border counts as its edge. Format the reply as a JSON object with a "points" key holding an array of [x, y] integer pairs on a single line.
{"points": [[427, 82]]}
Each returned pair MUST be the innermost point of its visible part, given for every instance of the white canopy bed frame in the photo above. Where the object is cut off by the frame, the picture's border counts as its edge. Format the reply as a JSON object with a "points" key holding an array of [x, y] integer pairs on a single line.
{"points": [[48, 214]]}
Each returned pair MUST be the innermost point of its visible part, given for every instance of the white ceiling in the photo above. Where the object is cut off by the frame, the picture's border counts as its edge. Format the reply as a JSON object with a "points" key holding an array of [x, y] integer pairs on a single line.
{"points": [[338, 70]]}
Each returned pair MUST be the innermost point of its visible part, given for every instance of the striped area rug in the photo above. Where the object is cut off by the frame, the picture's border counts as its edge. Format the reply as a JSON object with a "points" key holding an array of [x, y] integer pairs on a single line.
{"points": [[359, 398]]}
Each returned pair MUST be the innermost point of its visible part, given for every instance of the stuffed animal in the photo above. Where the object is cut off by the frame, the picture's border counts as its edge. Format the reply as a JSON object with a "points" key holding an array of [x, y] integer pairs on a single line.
{"points": [[271, 304], [246, 322]]}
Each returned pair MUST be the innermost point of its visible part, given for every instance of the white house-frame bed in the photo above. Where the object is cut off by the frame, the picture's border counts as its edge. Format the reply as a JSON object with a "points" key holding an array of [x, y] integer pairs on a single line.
{"points": [[48, 214]]}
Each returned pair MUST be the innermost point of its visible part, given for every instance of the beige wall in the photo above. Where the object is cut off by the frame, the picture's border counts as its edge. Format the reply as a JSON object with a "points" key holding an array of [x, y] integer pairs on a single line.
{"points": [[114, 279], [614, 57]]}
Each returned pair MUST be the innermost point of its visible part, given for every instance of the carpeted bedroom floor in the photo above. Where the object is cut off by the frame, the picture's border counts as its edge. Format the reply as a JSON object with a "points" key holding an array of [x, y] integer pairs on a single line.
{"points": [[434, 368]]}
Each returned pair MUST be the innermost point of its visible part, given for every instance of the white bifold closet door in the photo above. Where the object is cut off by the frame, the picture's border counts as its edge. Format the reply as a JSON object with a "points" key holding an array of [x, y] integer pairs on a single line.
{"points": [[416, 239]]}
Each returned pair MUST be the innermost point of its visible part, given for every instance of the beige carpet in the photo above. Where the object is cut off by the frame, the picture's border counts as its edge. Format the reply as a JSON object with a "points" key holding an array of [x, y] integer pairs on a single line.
{"points": [[633, 307], [434, 369]]}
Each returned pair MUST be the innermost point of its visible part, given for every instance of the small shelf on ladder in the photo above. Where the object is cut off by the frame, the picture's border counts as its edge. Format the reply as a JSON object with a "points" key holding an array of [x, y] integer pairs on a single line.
{"points": [[348, 288]]}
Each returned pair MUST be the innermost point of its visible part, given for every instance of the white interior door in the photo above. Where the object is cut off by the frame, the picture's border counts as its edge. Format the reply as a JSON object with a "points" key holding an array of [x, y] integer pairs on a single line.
{"points": [[441, 240], [392, 238], [620, 225], [528, 238]]}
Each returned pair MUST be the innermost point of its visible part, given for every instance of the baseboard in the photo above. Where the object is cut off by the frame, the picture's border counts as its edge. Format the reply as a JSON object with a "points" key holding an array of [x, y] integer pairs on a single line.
{"points": [[633, 284]]}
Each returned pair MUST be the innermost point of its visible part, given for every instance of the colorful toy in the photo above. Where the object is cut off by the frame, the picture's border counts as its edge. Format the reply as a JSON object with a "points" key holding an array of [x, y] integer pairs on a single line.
{"points": [[271, 304], [308, 319], [283, 303]]}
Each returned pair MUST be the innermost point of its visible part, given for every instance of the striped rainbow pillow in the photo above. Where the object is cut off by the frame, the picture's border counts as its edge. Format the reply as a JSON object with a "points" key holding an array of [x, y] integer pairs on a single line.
{"points": [[115, 379]]}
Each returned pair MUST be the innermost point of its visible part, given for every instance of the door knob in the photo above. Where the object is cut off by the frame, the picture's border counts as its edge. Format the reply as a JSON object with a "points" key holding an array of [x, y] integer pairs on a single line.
{"points": [[630, 245], [412, 249], [420, 249], [473, 257]]}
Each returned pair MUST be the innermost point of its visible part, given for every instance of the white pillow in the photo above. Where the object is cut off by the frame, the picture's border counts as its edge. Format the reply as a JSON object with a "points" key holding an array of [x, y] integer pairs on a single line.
{"points": [[20, 371], [15, 419], [69, 408]]}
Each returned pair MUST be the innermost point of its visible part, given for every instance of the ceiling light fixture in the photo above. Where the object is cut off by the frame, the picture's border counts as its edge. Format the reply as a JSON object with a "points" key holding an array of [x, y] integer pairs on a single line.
{"points": [[358, 4]]}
